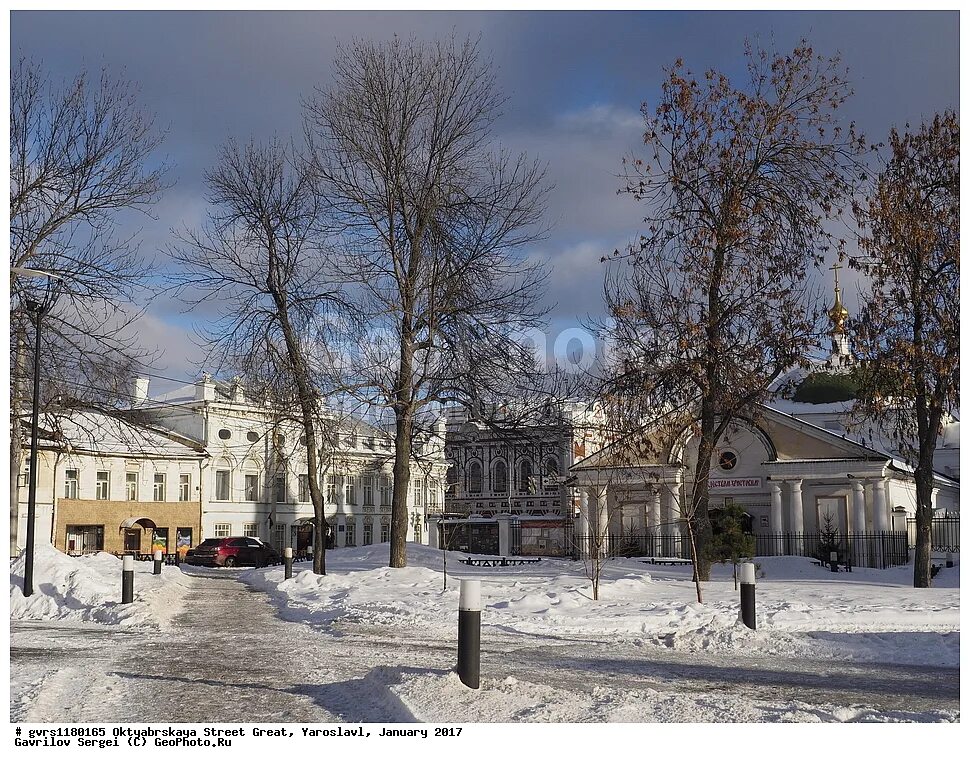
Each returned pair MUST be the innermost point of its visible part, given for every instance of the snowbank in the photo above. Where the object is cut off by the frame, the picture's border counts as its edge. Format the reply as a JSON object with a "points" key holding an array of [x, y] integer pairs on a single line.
{"points": [[803, 609], [88, 588]]}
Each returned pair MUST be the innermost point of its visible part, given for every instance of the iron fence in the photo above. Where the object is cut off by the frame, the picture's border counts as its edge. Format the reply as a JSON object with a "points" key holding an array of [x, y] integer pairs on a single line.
{"points": [[944, 534], [878, 550], [647, 544]]}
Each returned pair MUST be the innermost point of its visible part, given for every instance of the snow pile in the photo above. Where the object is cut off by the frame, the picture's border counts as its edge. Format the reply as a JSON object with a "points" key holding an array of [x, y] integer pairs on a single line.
{"points": [[803, 609], [88, 588], [439, 697]]}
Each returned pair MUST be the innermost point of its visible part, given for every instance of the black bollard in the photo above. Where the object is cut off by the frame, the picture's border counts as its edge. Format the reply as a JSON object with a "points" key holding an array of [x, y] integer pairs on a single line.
{"points": [[127, 579], [157, 558], [470, 632], [747, 596], [834, 561], [287, 563], [949, 559]]}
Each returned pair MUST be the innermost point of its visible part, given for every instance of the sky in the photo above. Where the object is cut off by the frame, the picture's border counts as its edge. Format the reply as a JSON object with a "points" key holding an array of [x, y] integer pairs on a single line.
{"points": [[574, 81]]}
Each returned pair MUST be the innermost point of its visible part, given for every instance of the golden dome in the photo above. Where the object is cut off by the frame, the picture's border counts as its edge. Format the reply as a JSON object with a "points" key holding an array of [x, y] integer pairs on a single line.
{"points": [[838, 314]]}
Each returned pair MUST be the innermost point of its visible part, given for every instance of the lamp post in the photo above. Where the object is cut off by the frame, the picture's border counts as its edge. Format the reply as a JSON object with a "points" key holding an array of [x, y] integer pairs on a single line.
{"points": [[39, 309]]}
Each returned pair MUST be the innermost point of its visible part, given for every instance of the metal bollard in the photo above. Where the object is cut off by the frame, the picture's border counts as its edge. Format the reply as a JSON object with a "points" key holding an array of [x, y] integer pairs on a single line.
{"points": [[949, 559], [470, 632], [834, 561], [287, 563], [127, 579], [157, 558], [747, 596]]}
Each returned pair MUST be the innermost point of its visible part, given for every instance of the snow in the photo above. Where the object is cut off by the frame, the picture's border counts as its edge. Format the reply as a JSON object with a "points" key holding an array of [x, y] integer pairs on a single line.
{"points": [[88, 589], [803, 609]]}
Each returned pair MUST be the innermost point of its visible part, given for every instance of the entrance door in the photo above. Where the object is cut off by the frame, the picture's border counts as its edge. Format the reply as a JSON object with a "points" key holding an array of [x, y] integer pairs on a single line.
{"points": [[133, 540], [304, 538]]}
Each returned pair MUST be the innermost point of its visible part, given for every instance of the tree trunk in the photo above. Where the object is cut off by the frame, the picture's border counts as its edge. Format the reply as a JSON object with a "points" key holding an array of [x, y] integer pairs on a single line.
{"points": [[924, 516], [698, 517], [404, 426]]}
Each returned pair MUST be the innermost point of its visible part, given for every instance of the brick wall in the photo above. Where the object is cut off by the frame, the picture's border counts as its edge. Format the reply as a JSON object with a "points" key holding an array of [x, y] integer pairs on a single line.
{"points": [[111, 514]]}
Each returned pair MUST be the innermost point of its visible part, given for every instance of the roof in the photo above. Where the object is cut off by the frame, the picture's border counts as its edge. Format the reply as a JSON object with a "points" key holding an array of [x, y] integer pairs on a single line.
{"points": [[102, 433]]}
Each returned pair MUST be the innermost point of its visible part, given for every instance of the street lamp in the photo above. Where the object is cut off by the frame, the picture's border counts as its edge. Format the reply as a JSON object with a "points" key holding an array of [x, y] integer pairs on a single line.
{"points": [[39, 309]]}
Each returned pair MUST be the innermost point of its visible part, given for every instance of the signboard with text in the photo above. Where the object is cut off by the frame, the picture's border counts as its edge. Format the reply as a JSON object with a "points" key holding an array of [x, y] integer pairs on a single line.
{"points": [[734, 483]]}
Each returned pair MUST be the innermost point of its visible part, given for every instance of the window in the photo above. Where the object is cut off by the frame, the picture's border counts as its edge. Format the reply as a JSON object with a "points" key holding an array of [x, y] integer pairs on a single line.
{"points": [[385, 533], [101, 485], [251, 529], [222, 530], [251, 487], [280, 488], [500, 478], [727, 460], [279, 537], [222, 485], [82, 539], [552, 467], [131, 486], [185, 487], [526, 483], [224, 434], [303, 487], [418, 492], [331, 488], [385, 491], [368, 534], [350, 485], [70, 483], [474, 477], [158, 486], [367, 483], [252, 436], [350, 539], [433, 493], [451, 479]]}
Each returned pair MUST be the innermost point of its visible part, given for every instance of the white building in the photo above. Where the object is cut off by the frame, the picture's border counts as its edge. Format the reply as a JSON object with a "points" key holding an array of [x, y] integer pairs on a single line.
{"points": [[254, 481]]}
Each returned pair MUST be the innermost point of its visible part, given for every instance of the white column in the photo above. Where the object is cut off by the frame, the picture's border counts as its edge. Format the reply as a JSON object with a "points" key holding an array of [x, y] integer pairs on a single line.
{"points": [[358, 520], [858, 507], [582, 521], [599, 519], [880, 513], [671, 522], [654, 511], [777, 522], [797, 514]]}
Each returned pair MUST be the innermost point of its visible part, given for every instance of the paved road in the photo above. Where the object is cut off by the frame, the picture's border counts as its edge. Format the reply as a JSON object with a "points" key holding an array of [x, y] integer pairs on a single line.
{"points": [[228, 657]]}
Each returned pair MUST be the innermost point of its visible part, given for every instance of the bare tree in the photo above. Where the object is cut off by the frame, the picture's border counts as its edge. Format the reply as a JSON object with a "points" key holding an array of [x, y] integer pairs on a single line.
{"points": [[80, 154], [257, 259], [711, 303], [431, 222], [908, 331]]}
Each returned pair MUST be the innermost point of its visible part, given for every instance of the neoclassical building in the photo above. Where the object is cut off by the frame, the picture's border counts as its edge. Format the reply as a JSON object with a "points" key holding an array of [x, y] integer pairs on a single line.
{"points": [[795, 465]]}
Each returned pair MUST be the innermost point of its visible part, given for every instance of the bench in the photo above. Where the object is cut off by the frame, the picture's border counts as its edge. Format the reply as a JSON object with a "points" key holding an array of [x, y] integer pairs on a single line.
{"points": [[500, 562], [666, 561]]}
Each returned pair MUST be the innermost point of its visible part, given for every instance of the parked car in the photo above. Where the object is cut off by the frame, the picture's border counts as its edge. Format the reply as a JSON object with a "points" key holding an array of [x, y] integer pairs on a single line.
{"points": [[232, 552]]}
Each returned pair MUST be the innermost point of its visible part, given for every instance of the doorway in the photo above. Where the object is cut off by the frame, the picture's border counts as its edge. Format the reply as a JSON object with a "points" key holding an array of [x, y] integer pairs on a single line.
{"points": [[132, 540]]}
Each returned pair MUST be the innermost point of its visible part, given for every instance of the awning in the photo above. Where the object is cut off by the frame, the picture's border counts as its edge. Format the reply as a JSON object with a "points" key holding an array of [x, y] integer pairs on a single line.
{"points": [[143, 521]]}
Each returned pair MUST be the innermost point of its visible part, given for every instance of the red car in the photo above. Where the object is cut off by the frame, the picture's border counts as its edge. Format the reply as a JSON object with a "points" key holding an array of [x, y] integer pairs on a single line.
{"points": [[232, 552]]}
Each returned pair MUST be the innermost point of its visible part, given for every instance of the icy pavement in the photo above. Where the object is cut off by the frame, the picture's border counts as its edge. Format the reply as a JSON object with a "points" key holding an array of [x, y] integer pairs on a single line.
{"points": [[235, 654]]}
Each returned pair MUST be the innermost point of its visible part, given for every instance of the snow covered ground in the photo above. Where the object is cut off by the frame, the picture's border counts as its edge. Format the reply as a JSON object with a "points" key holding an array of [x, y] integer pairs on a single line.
{"points": [[378, 644], [803, 610], [88, 589]]}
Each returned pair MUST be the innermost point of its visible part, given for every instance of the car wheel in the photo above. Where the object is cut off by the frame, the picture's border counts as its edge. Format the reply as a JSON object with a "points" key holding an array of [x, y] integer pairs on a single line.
{"points": [[230, 561]]}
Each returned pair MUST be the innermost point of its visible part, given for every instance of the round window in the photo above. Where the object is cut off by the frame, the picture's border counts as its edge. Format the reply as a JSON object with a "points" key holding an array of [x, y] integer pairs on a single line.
{"points": [[727, 460], [280, 439], [252, 436], [303, 440], [224, 434]]}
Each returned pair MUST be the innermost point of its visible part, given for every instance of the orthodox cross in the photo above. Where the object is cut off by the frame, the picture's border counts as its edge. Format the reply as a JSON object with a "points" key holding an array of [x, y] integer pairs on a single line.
{"points": [[836, 267]]}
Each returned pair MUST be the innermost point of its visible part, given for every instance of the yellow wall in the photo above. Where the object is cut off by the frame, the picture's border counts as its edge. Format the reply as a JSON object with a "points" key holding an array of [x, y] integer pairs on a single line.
{"points": [[170, 514]]}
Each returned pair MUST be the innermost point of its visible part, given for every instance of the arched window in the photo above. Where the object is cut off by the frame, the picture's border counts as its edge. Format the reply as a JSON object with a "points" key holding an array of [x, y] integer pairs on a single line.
{"points": [[474, 477], [552, 466], [525, 476], [500, 477], [451, 479]]}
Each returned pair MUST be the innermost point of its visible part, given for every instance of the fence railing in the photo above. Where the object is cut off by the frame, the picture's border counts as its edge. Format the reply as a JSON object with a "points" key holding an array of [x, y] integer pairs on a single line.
{"points": [[878, 550], [647, 544], [944, 534]]}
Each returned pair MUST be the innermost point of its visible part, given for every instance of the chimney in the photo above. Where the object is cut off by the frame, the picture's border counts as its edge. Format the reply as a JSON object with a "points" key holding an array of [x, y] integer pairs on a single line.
{"points": [[205, 388], [139, 390]]}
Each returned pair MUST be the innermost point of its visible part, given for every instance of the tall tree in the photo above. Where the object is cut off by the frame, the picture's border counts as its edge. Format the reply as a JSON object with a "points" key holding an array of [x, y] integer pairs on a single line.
{"points": [[258, 260], [711, 303], [431, 221], [81, 154], [908, 331]]}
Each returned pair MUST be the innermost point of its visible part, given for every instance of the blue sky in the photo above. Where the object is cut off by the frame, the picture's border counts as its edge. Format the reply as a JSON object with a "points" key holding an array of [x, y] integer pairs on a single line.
{"points": [[574, 80]]}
